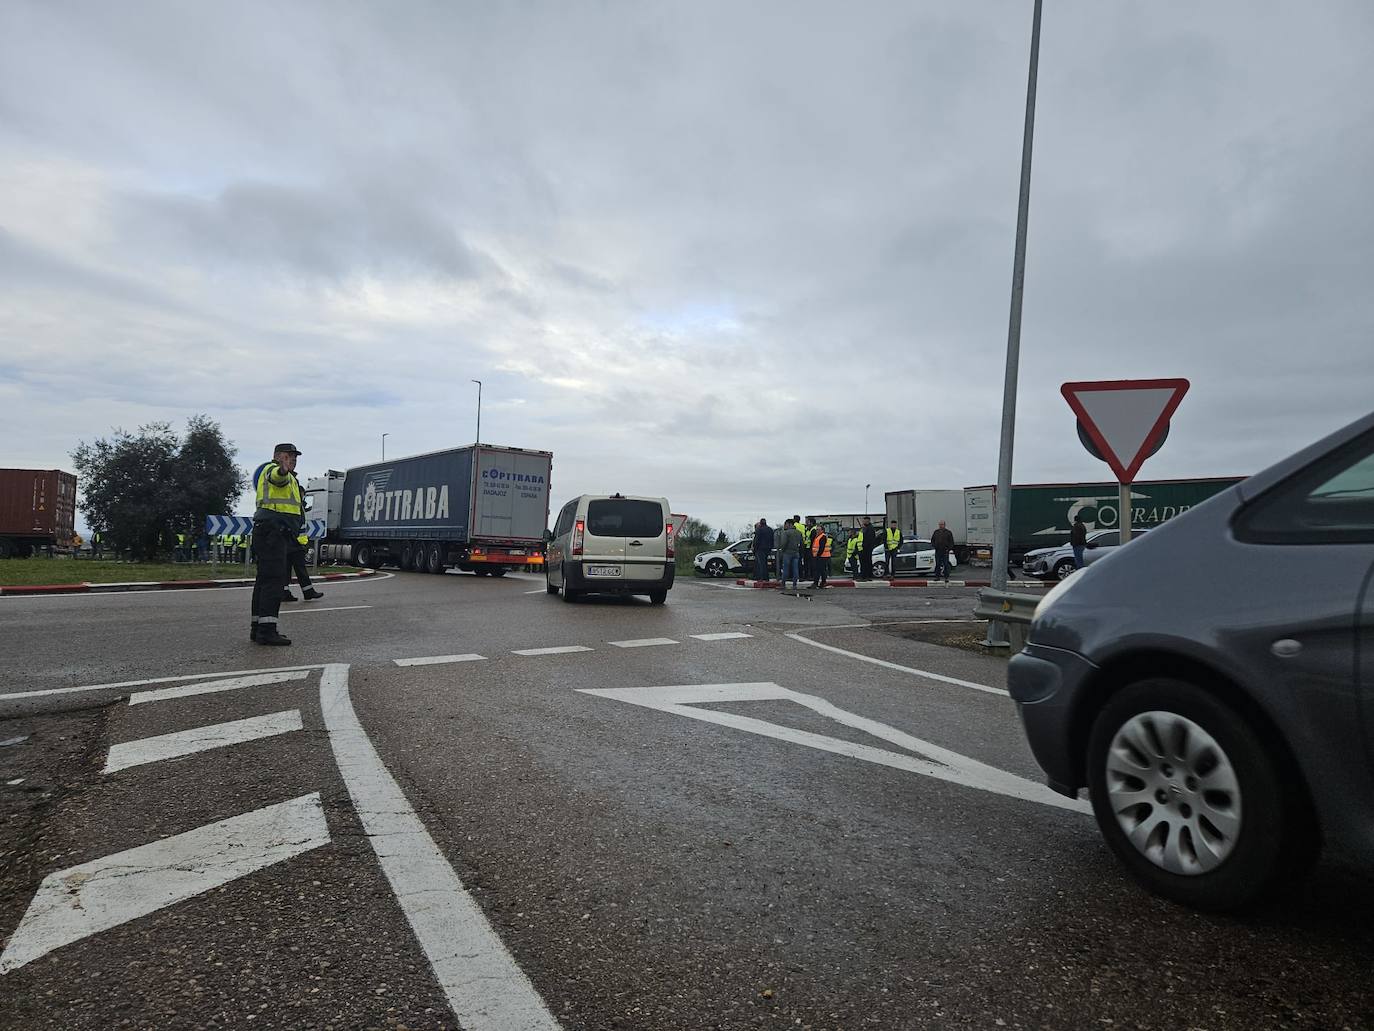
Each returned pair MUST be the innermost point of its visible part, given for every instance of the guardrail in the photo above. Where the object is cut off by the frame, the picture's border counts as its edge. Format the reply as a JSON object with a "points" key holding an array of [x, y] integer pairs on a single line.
{"points": [[1009, 612]]}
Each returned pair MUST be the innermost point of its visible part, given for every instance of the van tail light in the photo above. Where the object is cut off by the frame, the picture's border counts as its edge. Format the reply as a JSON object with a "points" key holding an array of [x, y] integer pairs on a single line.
{"points": [[578, 530], [668, 530]]}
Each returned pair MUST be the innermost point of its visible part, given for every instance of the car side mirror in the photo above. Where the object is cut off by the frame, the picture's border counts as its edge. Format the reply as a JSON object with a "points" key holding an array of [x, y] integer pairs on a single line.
{"points": [[548, 536]]}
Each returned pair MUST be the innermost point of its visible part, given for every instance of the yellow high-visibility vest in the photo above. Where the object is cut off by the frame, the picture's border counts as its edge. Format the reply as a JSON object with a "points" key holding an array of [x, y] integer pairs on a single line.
{"points": [[279, 491]]}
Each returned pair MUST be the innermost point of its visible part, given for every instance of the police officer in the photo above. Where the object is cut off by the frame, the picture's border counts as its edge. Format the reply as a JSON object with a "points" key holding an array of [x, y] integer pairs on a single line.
{"points": [[893, 543], [295, 554], [279, 517]]}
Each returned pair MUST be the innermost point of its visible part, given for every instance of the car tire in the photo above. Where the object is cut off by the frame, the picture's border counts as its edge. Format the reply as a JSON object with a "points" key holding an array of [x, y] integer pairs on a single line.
{"points": [[880, 569], [549, 587], [569, 595], [716, 567], [1193, 801], [1064, 568], [658, 597]]}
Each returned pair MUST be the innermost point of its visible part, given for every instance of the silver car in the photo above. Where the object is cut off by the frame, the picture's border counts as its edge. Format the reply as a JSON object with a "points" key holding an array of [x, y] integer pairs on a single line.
{"points": [[1058, 563], [1212, 685]]}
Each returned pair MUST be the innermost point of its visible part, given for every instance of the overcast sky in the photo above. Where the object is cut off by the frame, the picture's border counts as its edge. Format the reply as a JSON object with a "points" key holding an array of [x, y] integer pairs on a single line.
{"points": [[749, 256]]}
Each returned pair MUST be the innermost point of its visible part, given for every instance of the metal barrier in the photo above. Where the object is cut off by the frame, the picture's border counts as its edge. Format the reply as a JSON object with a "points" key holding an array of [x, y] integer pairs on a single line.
{"points": [[1013, 612]]}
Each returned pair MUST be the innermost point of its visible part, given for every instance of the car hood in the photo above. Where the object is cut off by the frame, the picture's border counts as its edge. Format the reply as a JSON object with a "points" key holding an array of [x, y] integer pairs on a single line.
{"points": [[1038, 552]]}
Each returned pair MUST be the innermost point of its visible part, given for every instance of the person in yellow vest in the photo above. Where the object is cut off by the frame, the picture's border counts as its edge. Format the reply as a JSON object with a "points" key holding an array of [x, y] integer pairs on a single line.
{"points": [[806, 546], [852, 549], [278, 518], [820, 556], [892, 543]]}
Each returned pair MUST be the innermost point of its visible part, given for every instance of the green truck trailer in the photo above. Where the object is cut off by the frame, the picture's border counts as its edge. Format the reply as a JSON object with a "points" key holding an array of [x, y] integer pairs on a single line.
{"points": [[1043, 513]]}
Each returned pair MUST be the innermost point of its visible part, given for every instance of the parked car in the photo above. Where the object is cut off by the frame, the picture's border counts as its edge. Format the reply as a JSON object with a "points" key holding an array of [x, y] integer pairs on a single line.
{"points": [[1212, 686], [734, 559], [611, 544], [1058, 561], [914, 558]]}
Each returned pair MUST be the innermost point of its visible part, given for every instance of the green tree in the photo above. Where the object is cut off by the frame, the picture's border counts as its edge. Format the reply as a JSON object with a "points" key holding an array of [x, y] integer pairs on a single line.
{"points": [[140, 489], [721, 539], [694, 531]]}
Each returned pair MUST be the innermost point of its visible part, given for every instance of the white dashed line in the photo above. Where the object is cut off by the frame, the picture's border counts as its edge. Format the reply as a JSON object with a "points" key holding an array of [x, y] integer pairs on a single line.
{"points": [[645, 642], [565, 650], [438, 660], [484, 986], [332, 608], [188, 742], [83, 900], [214, 686], [721, 637]]}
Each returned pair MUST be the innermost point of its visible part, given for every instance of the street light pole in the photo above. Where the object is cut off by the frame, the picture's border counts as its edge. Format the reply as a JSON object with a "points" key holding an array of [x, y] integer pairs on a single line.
{"points": [[479, 411], [384, 436], [866, 486], [1001, 548]]}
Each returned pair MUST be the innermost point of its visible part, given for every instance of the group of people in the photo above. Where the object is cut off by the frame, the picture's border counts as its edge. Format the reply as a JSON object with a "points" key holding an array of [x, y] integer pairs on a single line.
{"points": [[804, 550]]}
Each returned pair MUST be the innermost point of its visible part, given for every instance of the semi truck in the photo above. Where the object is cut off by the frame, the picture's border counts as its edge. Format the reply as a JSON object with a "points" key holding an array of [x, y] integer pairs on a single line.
{"points": [[479, 508], [37, 510], [1042, 514]]}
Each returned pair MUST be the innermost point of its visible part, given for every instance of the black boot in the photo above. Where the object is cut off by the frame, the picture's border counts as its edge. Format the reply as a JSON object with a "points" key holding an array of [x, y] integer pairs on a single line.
{"points": [[312, 594], [267, 634], [253, 634], [287, 595]]}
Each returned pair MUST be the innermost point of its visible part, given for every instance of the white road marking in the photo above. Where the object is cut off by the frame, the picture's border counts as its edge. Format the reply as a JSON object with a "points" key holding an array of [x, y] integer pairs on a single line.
{"points": [[485, 987], [940, 677], [333, 608], [644, 642], [565, 650], [75, 903], [939, 763], [732, 636], [153, 680], [435, 660], [188, 742], [540, 591], [215, 686]]}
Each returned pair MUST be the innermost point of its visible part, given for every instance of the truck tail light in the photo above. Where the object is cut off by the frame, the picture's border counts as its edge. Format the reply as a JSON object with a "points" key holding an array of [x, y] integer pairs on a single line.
{"points": [[668, 530], [578, 530]]}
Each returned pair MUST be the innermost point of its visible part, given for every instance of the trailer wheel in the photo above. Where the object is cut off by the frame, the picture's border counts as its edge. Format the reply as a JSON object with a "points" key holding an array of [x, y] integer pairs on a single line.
{"points": [[498, 572], [362, 554], [434, 558], [482, 572]]}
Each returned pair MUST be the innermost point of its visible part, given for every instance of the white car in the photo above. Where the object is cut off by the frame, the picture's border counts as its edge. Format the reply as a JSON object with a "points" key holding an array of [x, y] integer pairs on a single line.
{"points": [[914, 558], [732, 560]]}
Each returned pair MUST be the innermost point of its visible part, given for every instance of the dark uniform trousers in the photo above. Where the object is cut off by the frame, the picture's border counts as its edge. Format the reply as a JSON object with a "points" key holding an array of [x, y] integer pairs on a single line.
{"points": [[270, 541], [295, 552]]}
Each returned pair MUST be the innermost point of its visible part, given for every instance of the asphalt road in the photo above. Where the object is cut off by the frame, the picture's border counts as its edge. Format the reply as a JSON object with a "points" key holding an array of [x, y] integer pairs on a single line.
{"points": [[668, 817]]}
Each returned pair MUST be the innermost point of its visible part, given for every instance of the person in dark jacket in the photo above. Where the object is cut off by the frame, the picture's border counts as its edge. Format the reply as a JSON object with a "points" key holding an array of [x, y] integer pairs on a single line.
{"points": [[942, 540], [789, 551], [763, 547], [1078, 540], [868, 540]]}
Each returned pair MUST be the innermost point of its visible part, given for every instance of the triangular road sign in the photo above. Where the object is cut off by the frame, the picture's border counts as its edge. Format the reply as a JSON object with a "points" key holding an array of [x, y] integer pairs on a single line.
{"points": [[1124, 417]]}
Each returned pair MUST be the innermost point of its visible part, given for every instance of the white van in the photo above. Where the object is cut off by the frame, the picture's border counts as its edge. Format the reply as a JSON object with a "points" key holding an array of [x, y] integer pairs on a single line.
{"points": [[611, 544]]}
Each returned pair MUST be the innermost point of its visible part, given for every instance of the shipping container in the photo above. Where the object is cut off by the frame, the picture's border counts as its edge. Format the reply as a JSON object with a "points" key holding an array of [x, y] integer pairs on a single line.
{"points": [[1042, 514], [482, 509], [37, 510]]}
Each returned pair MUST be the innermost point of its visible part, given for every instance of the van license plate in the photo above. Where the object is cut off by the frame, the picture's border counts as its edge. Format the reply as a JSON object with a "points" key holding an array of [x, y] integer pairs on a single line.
{"points": [[516, 551], [603, 570]]}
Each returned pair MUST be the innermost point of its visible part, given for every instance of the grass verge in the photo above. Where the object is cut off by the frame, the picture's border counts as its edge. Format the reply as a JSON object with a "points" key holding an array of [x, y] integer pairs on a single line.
{"points": [[17, 572]]}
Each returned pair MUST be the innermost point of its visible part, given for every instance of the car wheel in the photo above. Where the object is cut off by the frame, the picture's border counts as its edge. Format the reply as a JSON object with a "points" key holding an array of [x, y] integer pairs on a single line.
{"points": [[880, 569], [569, 595], [1192, 800], [658, 597], [1064, 568], [716, 567], [549, 587]]}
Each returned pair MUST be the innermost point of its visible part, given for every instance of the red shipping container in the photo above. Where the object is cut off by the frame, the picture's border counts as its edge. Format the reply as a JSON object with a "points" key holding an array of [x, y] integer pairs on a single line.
{"points": [[37, 508]]}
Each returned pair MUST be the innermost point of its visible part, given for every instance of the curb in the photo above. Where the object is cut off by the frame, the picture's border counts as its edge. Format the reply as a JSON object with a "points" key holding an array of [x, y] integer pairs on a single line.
{"points": [[881, 584], [156, 585]]}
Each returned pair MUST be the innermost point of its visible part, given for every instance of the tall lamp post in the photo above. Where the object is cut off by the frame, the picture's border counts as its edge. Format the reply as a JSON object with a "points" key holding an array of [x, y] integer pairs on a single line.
{"points": [[384, 436], [479, 411], [866, 486], [1001, 545]]}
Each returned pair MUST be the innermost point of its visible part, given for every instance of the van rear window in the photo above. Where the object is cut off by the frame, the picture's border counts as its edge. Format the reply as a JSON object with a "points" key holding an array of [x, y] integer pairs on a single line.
{"points": [[618, 517]]}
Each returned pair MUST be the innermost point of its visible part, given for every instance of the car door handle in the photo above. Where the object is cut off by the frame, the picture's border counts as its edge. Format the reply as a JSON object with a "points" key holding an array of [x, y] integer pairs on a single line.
{"points": [[1286, 648], [636, 544]]}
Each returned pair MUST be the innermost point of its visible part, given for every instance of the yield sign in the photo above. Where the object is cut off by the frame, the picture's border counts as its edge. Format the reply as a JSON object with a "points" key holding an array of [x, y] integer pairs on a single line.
{"points": [[1125, 417]]}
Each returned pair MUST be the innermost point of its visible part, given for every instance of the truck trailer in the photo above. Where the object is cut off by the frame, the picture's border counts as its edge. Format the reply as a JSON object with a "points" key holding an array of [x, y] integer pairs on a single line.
{"points": [[919, 512], [1042, 514], [482, 509], [37, 510]]}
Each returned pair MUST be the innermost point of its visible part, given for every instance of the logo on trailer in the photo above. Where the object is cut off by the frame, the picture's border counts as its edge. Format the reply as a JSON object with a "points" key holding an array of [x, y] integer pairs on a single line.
{"points": [[421, 503]]}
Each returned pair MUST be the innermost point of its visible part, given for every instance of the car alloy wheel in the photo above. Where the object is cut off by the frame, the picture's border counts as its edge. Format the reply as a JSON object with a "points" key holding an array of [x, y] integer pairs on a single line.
{"points": [[716, 567], [1064, 569], [1174, 792]]}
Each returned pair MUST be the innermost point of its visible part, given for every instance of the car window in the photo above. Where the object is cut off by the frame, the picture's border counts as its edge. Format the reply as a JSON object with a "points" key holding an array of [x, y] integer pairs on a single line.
{"points": [[1329, 501], [621, 517], [1110, 539], [742, 547]]}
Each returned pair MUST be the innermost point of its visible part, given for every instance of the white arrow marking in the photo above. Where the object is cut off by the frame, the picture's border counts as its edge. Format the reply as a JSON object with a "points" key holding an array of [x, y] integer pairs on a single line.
{"points": [[188, 742], [939, 763], [80, 901], [214, 686]]}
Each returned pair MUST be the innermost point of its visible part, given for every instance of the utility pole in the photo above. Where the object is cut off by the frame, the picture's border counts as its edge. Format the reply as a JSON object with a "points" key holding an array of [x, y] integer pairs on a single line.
{"points": [[479, 411], [1001, 548]]}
